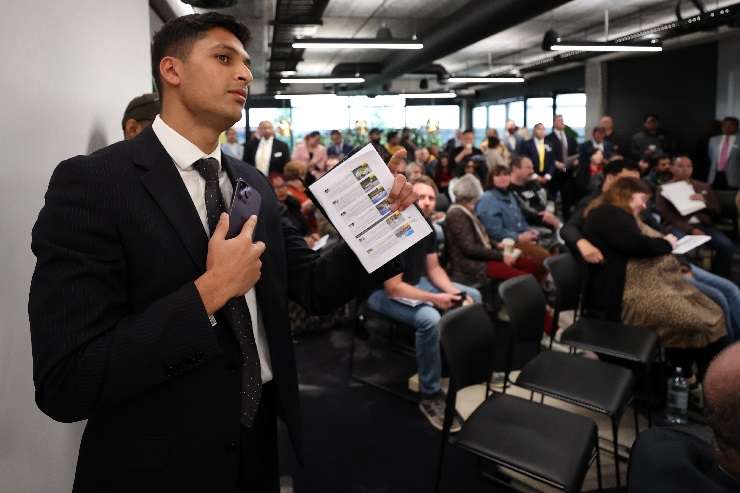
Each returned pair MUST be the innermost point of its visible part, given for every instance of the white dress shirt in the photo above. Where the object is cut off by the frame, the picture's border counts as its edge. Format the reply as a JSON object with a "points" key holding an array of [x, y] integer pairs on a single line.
{"points": [[184, 153], [262, 157]]}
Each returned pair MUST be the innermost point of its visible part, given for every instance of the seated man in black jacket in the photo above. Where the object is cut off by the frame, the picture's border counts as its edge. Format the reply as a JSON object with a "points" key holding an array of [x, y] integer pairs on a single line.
{"points": [[673, 460], [532, 197]]}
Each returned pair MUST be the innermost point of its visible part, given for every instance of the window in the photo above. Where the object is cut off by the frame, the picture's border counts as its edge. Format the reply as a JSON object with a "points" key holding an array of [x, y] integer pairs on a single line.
{"points": [[539, 110], [515, 112], [480, 122], [318, 113], [384, 112], [497, 118], [433, 123], [573, 108], [280, 118]]}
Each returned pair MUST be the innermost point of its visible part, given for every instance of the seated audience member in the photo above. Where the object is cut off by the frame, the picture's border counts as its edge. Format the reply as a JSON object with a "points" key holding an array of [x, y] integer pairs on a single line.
{"points": [[406, 141], [338, 148], [393, 142], [590, 173], [701, 222], [139, 114], [443, 174], [424, 280], [659, 173], [265, 151], [723, 292], [311, 152], [641, 283], [466, 150], [724, 154], [532, 197], [674, 460], [423, 158], [469, 167], [374, 137], [294, 175], [500, 213], [472, 256], [232, 147], [540, 153], [292, 210], [414, 170]]}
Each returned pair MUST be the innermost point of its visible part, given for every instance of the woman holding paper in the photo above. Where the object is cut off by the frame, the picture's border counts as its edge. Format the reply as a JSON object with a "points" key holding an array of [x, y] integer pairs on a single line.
{"points": [[641, 283]]}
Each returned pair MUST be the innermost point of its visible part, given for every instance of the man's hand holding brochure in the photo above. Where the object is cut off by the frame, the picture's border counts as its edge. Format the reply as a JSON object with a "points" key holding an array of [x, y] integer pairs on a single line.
{"points": [[369, 207]]}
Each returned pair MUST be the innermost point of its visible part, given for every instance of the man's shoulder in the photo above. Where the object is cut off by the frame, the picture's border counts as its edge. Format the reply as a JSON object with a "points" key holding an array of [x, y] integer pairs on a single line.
{"points": [[110, 161]]}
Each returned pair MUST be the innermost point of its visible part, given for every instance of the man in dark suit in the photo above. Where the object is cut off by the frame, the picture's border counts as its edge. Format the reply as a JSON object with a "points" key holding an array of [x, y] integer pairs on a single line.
{"points": [[338, 148], [268, 153], [564, 146], [540, 153], [174, 347]]}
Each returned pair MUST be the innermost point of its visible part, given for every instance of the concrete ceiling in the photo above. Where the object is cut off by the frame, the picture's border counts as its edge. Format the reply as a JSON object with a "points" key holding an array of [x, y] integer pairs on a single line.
{"points": [[579, 19]]}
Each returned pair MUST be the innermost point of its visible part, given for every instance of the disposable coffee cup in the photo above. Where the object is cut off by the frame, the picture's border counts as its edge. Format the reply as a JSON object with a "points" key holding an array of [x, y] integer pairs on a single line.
{"points": [[508, 244]]}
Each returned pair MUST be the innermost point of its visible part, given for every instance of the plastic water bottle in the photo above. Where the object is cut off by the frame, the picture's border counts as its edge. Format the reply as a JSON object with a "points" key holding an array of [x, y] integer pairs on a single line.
{"points": [[678, 398]]}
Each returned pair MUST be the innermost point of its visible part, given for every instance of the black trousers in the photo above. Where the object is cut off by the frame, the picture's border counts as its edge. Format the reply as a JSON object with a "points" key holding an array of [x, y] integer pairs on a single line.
{"points": [[259, 472]]}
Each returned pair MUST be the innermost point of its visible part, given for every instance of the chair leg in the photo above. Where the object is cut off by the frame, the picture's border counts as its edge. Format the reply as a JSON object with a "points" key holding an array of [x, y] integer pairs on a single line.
{"points": [[531, 395], [615, 435], [598, 466], [637, 418], [440, 463]]}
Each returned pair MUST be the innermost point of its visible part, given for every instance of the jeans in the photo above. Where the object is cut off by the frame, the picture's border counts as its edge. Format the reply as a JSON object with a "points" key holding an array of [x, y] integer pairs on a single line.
{"points": [[424, 319], [723, 292], [723, 248]]}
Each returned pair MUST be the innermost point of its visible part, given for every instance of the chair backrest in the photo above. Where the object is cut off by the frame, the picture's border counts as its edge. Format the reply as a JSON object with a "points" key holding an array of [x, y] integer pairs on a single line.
{"points": [[568, 277], [468, 342], [525, 305]]}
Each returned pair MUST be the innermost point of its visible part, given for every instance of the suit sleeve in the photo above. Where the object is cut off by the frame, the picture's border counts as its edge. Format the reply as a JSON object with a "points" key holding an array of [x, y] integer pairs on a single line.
{"points": [[91, 351]]}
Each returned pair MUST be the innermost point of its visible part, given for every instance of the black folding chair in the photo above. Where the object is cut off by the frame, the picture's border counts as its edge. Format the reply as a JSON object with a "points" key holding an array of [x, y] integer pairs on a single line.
{"points": [[600, 387], [626, 345], [541, 442]]}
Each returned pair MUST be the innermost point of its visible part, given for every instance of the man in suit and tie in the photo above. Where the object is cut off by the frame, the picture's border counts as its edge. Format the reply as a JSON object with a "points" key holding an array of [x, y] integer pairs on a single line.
{"points": [[541, 154], [268, 154], [512, 139], [175, 348], [724, 153], [338, 148], [563, 147]]}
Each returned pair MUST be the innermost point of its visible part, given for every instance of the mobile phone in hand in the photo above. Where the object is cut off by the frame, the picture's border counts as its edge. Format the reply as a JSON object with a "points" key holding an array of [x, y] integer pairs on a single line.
{"points": [[245, 203]]}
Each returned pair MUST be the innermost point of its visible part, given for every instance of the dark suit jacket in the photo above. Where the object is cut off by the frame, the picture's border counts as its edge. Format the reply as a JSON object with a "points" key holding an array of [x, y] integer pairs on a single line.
{"points": [[344, 149], [121, 338], [278, 157], [529, 149]]}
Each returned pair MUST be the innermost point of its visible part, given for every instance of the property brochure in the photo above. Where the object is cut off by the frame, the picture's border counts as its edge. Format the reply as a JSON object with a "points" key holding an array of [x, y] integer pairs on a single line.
{"points": [[678, 194], [689, 242], [354, 195]]}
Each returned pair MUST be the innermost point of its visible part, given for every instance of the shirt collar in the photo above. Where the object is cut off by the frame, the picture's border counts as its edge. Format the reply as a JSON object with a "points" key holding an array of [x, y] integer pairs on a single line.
{"points": [[183, 152]]}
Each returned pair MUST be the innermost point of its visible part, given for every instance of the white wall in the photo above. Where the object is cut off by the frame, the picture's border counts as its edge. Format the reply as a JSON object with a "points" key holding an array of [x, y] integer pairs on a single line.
{"points": [[728, 77], [69, 69]]}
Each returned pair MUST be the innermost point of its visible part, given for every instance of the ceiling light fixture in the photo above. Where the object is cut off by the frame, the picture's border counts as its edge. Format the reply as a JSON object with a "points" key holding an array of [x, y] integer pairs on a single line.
{"points": [[429, 95], [358, 43], [498, 80], [305, 96], [323, 80], [553, 42]]}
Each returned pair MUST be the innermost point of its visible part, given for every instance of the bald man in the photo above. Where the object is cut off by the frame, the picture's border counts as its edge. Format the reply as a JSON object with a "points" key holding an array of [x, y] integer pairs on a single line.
{"points": [[674, 460], [268, 154]]}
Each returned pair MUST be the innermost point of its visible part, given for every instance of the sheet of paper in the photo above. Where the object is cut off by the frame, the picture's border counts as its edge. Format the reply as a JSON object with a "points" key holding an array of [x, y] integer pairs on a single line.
{"points": [[678, 194], [320, 244], [410, 302], [355, 197], [689, 242]]}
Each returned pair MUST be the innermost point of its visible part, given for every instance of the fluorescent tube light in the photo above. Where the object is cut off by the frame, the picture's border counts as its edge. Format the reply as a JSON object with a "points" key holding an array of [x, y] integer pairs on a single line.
{"points": [[305, 96], [604, 47], [429, 95], [323, 80], [358, 43], [500, 80]]}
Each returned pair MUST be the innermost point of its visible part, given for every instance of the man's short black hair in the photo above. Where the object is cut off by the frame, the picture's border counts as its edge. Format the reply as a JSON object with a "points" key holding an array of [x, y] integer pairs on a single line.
{"points": [[468, 131], [732, 119], [315, 133], [335, 132], [649, 115], [618, 165], [374, 131], [390, 134], [176, 38]]}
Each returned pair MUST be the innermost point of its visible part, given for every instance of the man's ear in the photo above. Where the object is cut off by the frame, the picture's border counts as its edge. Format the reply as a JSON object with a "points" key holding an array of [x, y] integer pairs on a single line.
{"points": [[170, 70], [131, 129]]}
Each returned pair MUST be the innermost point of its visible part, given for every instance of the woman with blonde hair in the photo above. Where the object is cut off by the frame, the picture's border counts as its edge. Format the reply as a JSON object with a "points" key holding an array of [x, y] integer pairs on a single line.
{"points": [[640, 282]]}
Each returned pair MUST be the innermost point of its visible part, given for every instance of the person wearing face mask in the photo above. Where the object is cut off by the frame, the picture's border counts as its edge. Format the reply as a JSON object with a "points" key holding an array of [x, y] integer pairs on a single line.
{"points": [[641, 283]]}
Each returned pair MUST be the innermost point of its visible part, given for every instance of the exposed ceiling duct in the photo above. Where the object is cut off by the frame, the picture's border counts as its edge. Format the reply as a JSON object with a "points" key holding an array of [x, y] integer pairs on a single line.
{"points": [[469, 24]]}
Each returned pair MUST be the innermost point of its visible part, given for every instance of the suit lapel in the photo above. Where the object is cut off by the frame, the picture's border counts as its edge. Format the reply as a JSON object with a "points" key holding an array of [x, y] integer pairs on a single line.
{"points": [[166, 187]]}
